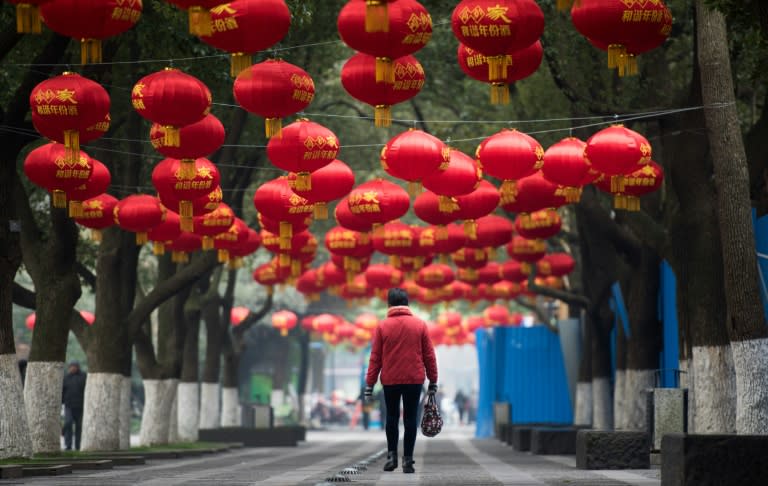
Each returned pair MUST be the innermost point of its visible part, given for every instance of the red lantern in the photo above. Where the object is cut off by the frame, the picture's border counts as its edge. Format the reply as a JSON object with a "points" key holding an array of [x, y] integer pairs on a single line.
{"points": [[505, 290], [497, 315], [460, 177], [243, 27], [409, 29], [639, 183], [201, 205], [237, 241], [66, 106], [379, 201], [413, 155], [489, 274], [381, 276], [435, 276], [367, 321], [470, 258], [427, 208], [477, 204], [164, 232], [617, 150], [473, 323], [277, 201], [284, 321], [28, 16], [350, 246], [325, 323], [199, 14], [526, 251], [330, 276], [555, 265], [238, 315], [304, 147], [492, 232], [358, 76], [541, 224], [29, 322], [274, 89], [97, 214], [197, 140], [346, 219], [274, 226], [90, 21], [522, 63], [51, 168], [88, 317], [269, 275], [396, 238], [171, 99], [534, 193], [510, 155], [211, 224], [442, 240], [328, 183], [356, 289], [139, 213], [449, 320], [513, 271], [308, 286], [97, 184], [496, 28], [624, 29], [185, 185], [564, 164]]}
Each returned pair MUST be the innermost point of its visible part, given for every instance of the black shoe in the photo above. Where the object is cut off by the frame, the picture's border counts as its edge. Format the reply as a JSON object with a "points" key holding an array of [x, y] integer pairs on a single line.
{"points": [[391, 463], [408, 463]]}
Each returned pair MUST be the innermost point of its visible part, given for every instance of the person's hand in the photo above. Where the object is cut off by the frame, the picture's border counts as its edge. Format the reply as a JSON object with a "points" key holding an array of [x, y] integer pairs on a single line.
{"points": [[432, 389], [368, 395]]}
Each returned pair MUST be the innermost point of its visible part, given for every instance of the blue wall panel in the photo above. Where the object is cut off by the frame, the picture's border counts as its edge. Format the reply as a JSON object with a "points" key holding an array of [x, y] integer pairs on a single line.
{"points": [[487, 391], [669, 360]]}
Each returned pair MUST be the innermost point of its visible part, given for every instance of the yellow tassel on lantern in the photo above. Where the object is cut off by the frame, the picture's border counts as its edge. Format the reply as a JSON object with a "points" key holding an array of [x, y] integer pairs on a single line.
{"points": [[207, 243], [171, 137], [223, 256], [632, 203], [273, 127], [90, 51], [320, 210], [286, 233], [414, 188], [270, 290], [566, 4], [72, 145], [615, 53], [382, 116], [618, 183], [447, 204], [59, 199], [76, 209], [385, 71], [376, 16], [491, 253], [441, 233], [185, 209], [239, 62], [295, 268], [283, 332], [141, 238], [497, 67], [96, 235], [499, 94], [628, 65], [303, 181], [187, 169], [572, 194], [158, 248], [470, 229], [350, 278], [508, 191], [199, 21], [284, 260], [394, 260], [27, 19], [186, 224]]}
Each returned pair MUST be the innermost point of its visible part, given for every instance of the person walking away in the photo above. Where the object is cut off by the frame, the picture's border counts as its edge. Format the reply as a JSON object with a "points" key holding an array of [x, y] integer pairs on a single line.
{"points": [[73, 399], [461, 405], [402, 352]]}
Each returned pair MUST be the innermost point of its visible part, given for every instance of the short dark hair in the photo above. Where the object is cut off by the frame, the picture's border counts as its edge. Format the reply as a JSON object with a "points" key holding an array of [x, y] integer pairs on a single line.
{"points": [[397, 296]]}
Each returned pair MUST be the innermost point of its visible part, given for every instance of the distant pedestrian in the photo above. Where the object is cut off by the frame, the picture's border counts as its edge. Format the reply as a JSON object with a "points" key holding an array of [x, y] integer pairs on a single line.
{"points": [[461, 405], [401, 350], [23, 371], [73, 398]]}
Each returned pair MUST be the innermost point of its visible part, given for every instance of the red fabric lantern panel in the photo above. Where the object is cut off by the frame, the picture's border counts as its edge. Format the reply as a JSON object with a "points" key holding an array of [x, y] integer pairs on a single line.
{"points": [[489, 274], [449, 319], [284, 321], [396, 238], [197, 140], [409, 29], [139, 213], [244, 27], [356, 289], [555, 265], [379, 201], [274, 226], [171, 99], [413, 155], [473, 323], [643, 181], [238, 315], [211, 224], [274, 89], [98, 214], [497, 315], [435, 276], [269, 275], [271, 242], [367, 321], [427, 207], [510, 155], [304, 147], [470, 258], [617, 150], [328, 183], [51, 167], [185, 182], [329, 275], [496, 28], [513, 271], [307, 285], [90, 21], [521, 64], [66, 106], [381, 276], [542, 224], [477, 204], [492, 232], [346, 219], [534, 193], [505, 290], [526, 251], [460, 177], [276, 201], [164, 232], [96, 184], [348, 243], [201, 205], [237, 241], [358, 76], [442, 240], [564, 164]]}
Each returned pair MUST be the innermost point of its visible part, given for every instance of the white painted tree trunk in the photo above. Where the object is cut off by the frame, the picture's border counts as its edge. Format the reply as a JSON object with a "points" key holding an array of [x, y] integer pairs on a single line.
{"points": [[156, 419], [619, 399], [582, 414], [636, 384], [209, 406], [173, 428], [42, 397], [686, 381], [15, 440], [125, 412], [101, 415], [188, 410], [750, 360], [602, 414], [714, 384], [230, 407]]}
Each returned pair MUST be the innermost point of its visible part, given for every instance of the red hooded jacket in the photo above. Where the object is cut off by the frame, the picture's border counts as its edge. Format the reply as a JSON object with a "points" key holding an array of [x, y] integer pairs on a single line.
{"points": [[401, 350]]}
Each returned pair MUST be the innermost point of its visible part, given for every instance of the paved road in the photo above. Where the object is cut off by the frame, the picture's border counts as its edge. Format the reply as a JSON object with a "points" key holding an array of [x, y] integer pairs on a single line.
{"points": [[452, 458]]}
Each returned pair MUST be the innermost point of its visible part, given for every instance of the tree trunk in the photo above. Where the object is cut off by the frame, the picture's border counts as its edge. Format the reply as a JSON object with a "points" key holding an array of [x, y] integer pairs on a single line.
{"points": [[15, 439], [101, 422], [602, 413], [582, 414], [209, 406], [745, 321], [173, 426], [230, 406], [188, 394], [42, 397], [209, 388], [303, 375], [156, 419], [619, 387], [125, 411]]}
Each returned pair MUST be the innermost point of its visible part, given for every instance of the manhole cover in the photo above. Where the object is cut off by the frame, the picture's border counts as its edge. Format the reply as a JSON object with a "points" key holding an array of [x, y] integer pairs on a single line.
{"points": [[338, 478]]}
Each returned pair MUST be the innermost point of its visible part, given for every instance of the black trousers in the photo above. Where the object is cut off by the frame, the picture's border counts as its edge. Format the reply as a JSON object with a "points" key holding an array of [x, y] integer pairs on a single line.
{"points": [[411, 395], [73, 418]]}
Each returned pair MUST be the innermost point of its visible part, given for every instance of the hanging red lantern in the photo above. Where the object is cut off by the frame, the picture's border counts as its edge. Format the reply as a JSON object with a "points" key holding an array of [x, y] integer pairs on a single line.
{"points": [[236, 242], [97, 214], [449, 319], [269, 275], [184, 245], [541, 224], [185, 184], [358, 77], [473, 323], [497, 315], [173, 100], [521, 64], [346, 219], [381, 276], [435, 276], [643, 181], [409, 29], [284, 321], [505, 290], [513, 271], [526, 251], [427, 208], [278, 202], [534, 193], [138, 214], [199, 12], [410, 264], [350, 246], [238, 314], [328, 183], [555, 265], [378, 201], [51, 167], [307, 285], [274, 226], [496, 28], [477, 204], [325, 323], [492, 232], [201, 205], [617, 150], [624, 29], [211, 224], [28, 16], [66, 106], [303, 147], [367, 321], [395, 238], [413, 155], [436, 334], [357, 289], [164, 232], [330, 276], [90, 21], [197, 140], [274, 89], [442, 240], [510, 155], [96, 184], [470, 258], [489, 274], [460, 177], [564, 164]]}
